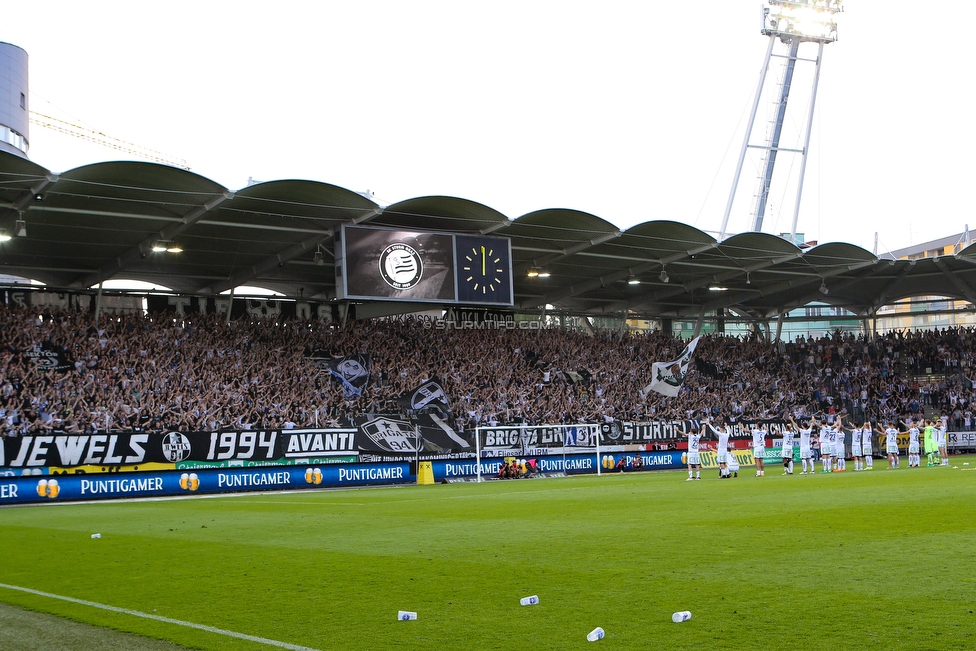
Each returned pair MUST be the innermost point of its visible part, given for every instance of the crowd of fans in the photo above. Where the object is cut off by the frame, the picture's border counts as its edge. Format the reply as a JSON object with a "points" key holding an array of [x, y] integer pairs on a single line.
{"points": [[199, 373]]}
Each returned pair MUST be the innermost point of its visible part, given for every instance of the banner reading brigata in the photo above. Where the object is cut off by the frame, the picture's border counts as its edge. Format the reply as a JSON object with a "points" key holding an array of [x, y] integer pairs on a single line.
{"points": [[537, 439]]}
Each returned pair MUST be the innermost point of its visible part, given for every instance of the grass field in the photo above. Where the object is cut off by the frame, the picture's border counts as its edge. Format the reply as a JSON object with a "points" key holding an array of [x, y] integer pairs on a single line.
{"points": [[878, 560]]}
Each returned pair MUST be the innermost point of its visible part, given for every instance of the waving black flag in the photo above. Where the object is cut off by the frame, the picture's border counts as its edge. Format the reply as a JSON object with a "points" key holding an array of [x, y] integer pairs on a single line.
{"points": [[429, 394], [352, 371]]}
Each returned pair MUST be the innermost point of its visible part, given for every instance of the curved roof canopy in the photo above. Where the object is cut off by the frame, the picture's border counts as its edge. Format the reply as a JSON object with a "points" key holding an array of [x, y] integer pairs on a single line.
{"points": [[102, 221]]}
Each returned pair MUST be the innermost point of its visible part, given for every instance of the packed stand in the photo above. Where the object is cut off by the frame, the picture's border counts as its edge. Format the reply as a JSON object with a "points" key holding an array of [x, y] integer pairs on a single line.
{"points": [[200, 373]]}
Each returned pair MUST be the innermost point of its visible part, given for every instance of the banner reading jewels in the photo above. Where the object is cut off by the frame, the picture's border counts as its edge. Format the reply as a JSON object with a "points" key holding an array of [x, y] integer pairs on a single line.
{"points": [[135, 448]]}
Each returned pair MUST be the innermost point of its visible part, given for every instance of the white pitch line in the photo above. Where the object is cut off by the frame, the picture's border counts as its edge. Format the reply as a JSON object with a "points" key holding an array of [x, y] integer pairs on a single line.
{"points": [[168, 620]]}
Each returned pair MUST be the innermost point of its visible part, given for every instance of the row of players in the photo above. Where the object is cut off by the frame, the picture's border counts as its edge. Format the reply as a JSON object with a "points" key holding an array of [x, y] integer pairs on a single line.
{"points": [[832, 440]]}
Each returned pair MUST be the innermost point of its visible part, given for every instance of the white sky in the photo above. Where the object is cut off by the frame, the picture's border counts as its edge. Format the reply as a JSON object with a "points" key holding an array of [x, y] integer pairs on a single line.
{"points": [[632, 111]]}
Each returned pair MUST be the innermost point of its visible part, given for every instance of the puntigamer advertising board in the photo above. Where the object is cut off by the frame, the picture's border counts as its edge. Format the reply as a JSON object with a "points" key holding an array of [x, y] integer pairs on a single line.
{"points": [[73, 487]]}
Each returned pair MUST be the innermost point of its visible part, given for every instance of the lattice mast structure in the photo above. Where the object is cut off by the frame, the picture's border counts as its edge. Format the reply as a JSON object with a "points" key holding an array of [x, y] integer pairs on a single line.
{"points": [[788, 24]]}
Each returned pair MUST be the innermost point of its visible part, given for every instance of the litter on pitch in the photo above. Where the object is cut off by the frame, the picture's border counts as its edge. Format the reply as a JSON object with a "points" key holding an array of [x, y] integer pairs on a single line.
{"points": [[596, 634], [681, 616], [406, 615], [96, 535], [529, 601]]}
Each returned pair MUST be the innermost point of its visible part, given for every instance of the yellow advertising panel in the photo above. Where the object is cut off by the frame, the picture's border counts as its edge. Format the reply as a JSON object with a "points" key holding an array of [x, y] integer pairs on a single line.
{"points": [[95, 470], [709, 459]]}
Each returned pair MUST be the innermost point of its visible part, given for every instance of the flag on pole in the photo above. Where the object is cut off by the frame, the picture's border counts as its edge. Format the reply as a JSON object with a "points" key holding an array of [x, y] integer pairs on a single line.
{"points": [[667, 377]]}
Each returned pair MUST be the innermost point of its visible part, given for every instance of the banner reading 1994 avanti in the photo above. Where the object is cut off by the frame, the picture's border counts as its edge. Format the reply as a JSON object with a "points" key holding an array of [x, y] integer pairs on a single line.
{"points": [[63, 452]]}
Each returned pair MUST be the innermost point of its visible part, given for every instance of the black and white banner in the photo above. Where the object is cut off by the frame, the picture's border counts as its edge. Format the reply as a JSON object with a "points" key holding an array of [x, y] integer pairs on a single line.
{"points": [[133, 448], [429, 394], [536, 439], [395, 435], [667, 377], [428, 434], [48, 357], [351, 372]]}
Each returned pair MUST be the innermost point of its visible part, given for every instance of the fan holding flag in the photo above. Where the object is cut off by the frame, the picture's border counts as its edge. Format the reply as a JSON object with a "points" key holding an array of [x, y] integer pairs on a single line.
{"points": [[667, 377]]}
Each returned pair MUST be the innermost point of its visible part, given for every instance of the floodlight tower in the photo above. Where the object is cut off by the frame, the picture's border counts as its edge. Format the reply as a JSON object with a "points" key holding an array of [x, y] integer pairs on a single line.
{"points": [[789, 23]]}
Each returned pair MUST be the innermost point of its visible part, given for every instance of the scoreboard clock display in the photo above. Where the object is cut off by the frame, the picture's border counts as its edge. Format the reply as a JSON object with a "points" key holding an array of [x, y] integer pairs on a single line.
{"points": [[422, 266], [484, 269]]}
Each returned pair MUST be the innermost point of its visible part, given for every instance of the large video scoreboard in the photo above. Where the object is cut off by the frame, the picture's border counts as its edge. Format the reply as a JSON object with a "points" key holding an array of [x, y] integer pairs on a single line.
{"points": [[383, 264]]}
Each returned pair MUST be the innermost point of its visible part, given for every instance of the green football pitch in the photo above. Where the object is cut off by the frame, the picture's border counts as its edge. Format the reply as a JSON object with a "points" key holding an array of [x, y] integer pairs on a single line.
{"points": [[869, 560]]}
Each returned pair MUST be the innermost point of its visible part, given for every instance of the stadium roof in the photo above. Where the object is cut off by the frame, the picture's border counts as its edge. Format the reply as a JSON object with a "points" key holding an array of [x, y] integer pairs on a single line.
{"points": [[99, 222]]}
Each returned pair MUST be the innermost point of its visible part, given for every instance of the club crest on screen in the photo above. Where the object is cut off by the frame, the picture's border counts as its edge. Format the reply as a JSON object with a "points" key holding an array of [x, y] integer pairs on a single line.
{"points": [[401, 266]]}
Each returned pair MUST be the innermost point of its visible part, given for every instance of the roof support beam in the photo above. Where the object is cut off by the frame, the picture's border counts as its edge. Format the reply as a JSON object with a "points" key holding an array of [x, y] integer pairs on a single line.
{"points": [[958, 282], [882, 298], [817, 295], [21, 204], [142, 249], [544, 260], [279, 259], [737, 297], [614, 276], [687, 288]]}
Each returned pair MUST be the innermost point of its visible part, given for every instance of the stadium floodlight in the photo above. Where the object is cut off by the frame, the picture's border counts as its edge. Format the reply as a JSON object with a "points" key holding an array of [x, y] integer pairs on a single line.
{"points": [[792, 23], [533, 273], [165, 246], [21, 228], [633, 280], [544, 274], [664, 276], [4, 237], [803, 20]]}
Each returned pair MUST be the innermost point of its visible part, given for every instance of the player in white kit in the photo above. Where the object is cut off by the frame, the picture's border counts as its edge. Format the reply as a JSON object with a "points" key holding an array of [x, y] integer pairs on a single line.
{"points": [[856, 452], [733, 464], [722, 449], [941, 440], [840, 447], [694, 455], [867, 450], [806, 450], [827, 448], [891, 445], [759, 449], [788, 451], [914, 450]]}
